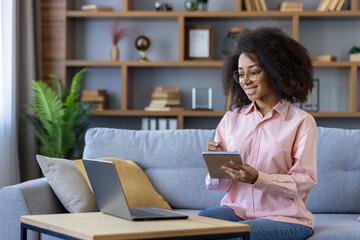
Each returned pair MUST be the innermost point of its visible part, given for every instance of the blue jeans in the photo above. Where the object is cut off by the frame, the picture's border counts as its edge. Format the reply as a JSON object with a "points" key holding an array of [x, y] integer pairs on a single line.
{"points": [[263, 229]]}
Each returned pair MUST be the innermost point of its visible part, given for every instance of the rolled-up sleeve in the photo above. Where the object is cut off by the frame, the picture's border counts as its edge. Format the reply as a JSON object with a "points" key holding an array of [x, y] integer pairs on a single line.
{"points": [[302, 177], [222, 185]]}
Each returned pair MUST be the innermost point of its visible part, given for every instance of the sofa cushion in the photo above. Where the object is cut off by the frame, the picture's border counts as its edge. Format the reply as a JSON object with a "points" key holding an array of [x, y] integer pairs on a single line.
{"points": [[30, 197], [137, 188], [338, 167], [68, 184], [171, 159], [336, 226]]}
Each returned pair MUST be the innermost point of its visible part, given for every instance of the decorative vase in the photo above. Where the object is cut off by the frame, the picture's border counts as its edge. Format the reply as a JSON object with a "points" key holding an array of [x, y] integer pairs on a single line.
{"points": [[229, 41], [202, 5], [114, 53], [191, 5]]}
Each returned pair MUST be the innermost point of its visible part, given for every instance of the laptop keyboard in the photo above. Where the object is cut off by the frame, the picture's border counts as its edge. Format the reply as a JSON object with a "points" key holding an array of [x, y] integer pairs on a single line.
{"points": [[136, 212]]}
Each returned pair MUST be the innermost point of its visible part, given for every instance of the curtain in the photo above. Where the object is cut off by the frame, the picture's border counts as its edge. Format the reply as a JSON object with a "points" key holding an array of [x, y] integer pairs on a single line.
{"points": [[9, 161], [29, 68]]}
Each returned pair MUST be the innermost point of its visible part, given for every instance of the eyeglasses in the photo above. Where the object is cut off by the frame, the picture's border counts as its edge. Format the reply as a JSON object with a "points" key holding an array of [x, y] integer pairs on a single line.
{"points": [[240, 77]]}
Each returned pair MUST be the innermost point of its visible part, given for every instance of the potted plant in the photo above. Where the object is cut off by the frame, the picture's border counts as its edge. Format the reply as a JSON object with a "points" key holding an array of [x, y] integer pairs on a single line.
{"points": [[354, 54], [60, 120]]}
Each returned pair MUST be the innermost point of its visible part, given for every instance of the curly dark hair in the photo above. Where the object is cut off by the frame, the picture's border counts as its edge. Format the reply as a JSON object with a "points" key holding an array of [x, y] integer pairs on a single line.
{"points": [[285, 63]]}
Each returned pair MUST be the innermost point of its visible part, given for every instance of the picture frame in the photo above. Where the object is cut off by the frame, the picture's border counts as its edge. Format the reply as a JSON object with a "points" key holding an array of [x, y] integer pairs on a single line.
{"points": [[312, 104], [199, 42], [201, 99], [227, 101]]}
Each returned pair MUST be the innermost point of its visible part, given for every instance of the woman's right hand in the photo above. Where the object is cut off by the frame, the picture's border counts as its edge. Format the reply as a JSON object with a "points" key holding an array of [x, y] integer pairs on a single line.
{"points": [[215, 146]]}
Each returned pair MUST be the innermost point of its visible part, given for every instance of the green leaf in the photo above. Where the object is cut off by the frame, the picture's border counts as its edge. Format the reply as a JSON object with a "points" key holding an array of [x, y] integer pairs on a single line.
{"points": [[354, 50], [59, 88], [75, 87], [47, 105]]}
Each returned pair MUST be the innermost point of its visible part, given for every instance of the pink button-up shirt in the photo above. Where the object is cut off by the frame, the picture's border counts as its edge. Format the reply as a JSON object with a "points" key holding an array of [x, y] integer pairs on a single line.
{"points": [[282, 147]]}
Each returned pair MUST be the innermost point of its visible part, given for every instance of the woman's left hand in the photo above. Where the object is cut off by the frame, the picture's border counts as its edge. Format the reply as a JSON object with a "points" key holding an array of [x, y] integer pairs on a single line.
{"points": [[242, 173]]}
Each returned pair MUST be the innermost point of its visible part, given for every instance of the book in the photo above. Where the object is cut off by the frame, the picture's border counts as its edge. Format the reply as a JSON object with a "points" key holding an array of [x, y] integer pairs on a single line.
{"points": [[93, 93], [291, 9], [98, 96], [248, 5], [93, 98], [166, 108], [163, 97], [257, 5], [173, 123], [332, 5], [263, 5], [159, 95], [323, 5], [162, 123], [95, 7], [323, 58], [100, 106], [153, 123], [164, 103], [340, 5], [145, 121], [291, 5], [214, 161], [166, 88]]}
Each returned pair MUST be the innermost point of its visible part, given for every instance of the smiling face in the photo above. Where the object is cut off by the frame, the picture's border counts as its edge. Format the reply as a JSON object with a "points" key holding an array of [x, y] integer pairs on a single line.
{"points": [[254, 82]]}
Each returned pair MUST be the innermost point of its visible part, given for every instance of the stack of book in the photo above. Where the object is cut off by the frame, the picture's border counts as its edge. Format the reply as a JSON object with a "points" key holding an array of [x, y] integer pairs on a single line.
{"points": [[99, 97], [165, 99], [95, 8], [255, 5], [323, 58], [331, 5], [291, 6]]}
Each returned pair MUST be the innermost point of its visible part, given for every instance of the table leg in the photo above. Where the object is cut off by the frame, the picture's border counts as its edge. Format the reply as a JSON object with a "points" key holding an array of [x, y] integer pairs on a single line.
{"points": [[23, 232], [25, 227], [246, 236]]}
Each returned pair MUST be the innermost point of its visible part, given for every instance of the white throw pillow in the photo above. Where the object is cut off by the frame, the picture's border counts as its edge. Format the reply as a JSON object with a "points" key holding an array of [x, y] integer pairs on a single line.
{"points": [[68, 184]]}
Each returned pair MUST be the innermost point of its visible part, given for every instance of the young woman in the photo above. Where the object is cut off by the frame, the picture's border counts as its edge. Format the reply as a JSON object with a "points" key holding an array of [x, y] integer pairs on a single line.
{"points": [[265, 74]]}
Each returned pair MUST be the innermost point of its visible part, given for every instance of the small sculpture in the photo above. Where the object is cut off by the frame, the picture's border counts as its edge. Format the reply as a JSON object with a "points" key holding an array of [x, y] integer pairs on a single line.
{"points": [[142, 44], [191, 5], [159, 6]]}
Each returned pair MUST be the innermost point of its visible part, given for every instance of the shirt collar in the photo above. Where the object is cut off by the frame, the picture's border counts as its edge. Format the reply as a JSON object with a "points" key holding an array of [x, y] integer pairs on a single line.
{"points": [[281, 107], [247, 109]]}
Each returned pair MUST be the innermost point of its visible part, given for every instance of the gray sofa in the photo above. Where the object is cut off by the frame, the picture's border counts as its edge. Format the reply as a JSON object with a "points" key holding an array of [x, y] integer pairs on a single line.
{"points": [[172, 160]]}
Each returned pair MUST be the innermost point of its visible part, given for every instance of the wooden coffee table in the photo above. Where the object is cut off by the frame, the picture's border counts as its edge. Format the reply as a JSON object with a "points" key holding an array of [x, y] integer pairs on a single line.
{"points": [[98, 225]]}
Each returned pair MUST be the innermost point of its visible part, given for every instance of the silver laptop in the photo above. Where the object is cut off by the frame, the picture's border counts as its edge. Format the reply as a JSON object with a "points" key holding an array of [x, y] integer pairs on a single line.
{"points": [[110, 196]]}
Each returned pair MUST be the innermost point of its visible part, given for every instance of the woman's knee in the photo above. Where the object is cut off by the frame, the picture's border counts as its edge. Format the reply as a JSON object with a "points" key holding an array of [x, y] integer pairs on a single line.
{"points": [[220, 212], [211, 212]]}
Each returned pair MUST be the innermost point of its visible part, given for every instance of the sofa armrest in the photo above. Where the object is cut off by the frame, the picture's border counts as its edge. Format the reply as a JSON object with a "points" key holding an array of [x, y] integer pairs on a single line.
{"points": [[27, 198]]}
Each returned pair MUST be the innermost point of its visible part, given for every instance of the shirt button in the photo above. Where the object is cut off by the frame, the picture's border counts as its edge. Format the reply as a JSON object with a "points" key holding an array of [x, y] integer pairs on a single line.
{"points": [[249, 189], [255, 145], [250, 209]]}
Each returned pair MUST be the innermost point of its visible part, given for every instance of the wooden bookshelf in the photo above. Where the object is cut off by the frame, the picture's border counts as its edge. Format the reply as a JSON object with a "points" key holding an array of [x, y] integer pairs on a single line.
{"points": [[227, 14], [71, 15], [83, 63]]}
